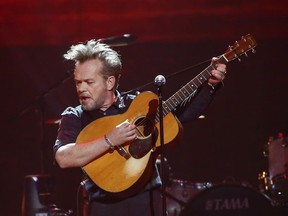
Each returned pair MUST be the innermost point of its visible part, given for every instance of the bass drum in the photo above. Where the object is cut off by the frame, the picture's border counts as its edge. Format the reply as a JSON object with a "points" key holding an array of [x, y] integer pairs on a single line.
{"points": [[180, 192], [228, 200]]}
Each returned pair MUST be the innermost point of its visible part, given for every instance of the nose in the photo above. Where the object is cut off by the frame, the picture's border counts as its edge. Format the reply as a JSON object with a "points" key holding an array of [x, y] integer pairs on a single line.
{"points": [[81, 87]]}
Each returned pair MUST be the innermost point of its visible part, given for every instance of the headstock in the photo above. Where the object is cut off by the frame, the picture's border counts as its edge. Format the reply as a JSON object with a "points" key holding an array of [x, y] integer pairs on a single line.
{"points": [[240, 47]]}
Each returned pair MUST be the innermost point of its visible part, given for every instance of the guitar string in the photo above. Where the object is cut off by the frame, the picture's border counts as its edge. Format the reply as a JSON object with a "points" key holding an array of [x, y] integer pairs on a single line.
{"points": [[143, 123]]}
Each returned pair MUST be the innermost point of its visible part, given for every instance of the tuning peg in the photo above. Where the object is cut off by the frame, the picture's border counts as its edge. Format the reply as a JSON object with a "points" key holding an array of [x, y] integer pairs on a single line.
{"points": [[239, 59], [246, 54], [253, 51]]}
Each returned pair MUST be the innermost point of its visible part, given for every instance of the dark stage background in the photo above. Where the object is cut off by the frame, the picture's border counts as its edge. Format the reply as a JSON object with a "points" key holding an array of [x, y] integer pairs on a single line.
{"points": [[36, 85]]}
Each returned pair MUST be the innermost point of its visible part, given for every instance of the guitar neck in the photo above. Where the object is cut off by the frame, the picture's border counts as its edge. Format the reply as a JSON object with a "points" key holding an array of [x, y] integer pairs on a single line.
{"points": [[189, 89], [241, 47]]}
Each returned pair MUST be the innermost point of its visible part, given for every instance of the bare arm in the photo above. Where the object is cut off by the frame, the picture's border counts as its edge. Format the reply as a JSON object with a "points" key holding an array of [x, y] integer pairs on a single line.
{"points": [[80, 154]]}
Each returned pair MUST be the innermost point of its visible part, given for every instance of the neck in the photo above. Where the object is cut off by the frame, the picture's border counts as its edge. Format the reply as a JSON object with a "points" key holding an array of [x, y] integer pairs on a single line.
{"points": [[109, 101]]}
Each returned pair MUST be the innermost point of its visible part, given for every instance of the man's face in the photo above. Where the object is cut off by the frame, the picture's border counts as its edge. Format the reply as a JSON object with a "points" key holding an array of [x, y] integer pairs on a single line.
{"points": [[92, 88]]}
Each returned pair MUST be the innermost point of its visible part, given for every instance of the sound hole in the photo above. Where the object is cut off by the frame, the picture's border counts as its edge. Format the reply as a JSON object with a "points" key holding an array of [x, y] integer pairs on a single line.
{"points": [[144, 142], [144, 127]]}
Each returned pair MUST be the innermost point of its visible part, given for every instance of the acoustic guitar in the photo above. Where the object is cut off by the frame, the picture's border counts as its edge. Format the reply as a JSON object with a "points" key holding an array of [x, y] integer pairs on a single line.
{"points": [[127, 166]]}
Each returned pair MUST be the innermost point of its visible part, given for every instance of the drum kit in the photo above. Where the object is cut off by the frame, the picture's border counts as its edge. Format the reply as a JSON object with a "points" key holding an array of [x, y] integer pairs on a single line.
{"points": [[274, 182], [185, 198]]}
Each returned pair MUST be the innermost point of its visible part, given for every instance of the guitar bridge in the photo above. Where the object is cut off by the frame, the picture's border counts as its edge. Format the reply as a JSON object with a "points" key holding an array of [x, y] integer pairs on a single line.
{"points": [[123, 152]]}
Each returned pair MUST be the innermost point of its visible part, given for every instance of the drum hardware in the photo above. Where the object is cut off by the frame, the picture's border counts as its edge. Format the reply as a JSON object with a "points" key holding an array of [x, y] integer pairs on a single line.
{"points": [[180, 192], [54, 211], [274, 182], [279, 190], [265, 182]]}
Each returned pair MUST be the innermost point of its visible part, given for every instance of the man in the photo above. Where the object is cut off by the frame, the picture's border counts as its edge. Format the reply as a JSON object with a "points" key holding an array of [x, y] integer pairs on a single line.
{"points": [[96, 75]]}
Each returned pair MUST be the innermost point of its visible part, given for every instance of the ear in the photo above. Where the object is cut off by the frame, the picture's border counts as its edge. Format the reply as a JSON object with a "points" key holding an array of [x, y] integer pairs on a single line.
{"points": [[110, 83]]}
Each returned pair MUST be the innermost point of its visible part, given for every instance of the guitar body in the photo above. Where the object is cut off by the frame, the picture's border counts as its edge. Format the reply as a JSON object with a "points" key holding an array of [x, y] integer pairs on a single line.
{"points": [[115, 173]]}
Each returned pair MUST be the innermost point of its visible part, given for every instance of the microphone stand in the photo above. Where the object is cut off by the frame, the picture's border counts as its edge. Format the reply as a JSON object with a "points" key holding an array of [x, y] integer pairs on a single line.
{"points": [[159, 82]]}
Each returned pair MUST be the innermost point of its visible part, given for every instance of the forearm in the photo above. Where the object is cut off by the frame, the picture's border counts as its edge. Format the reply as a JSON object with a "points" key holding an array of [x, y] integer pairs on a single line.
{"points": [[198, 104], [80, 154]]}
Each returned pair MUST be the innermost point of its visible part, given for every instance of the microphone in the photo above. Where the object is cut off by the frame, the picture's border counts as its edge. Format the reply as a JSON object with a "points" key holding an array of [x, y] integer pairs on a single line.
{"points": [[120, 40], [160, 80]]}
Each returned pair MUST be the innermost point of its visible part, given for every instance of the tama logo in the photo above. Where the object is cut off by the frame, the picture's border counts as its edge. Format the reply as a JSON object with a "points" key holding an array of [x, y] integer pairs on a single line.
{"points": [[227, 204]]}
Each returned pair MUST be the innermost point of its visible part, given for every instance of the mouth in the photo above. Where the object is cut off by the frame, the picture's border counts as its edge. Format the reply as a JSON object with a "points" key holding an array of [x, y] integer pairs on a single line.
{"points": [[84, 99]]}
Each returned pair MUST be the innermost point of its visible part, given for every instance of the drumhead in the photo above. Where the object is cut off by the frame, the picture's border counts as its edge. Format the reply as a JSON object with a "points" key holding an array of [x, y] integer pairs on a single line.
{"points": [[180, 192], [228, 200], [183, 190]]}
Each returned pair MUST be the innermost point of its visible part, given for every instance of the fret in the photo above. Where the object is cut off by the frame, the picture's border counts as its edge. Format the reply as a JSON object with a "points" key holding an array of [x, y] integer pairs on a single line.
{"points": [[165, 112], [199, 79], [191, 87], [212, 67], [203, 77], [194, 84], [207, 73], [183, 93], [169, 105], [178, 97], [157, 118], [222, 59], [175, 102], [165, 107]]}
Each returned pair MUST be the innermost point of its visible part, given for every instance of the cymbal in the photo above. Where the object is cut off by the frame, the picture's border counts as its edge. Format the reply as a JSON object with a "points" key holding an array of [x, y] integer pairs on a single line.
{"points": [[119, 40]]}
